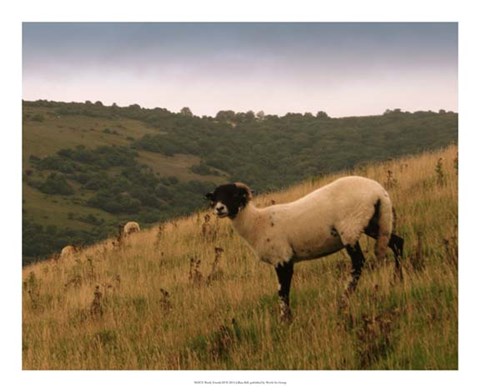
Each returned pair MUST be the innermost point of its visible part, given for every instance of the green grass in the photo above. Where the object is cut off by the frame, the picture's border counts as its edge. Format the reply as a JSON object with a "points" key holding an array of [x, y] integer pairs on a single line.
{"points": [[144, 306], [177, 165], [42, 138]]}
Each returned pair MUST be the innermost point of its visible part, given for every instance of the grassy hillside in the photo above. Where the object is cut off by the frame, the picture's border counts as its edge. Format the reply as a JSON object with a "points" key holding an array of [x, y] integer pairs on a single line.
{"points": [[189, 294], [53, 219], [88, 167]]}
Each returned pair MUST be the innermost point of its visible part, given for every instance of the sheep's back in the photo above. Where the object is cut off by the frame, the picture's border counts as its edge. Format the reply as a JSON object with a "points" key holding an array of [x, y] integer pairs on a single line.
{"points": [[338, 211]]}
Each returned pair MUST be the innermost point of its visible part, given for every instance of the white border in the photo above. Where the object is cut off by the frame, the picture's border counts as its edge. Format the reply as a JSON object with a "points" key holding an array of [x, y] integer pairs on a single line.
{"points": [[246, 10]]}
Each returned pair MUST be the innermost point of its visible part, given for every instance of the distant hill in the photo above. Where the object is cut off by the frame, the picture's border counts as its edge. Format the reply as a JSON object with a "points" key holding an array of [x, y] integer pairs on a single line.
{"points": [[88, 167]]}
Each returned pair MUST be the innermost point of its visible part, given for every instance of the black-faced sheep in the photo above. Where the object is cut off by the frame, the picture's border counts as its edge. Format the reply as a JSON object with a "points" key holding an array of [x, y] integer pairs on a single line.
{"points": [[131, 227], [321, 223]]}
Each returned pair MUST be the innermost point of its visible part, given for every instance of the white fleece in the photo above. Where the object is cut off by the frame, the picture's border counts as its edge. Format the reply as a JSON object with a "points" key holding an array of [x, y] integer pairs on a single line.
{"points": [[131, 227], [318, 224], [67, 251]]}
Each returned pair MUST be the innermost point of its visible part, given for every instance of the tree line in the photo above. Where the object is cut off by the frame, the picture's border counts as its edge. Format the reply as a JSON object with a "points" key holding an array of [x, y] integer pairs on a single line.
{"points": [[267, 152]]}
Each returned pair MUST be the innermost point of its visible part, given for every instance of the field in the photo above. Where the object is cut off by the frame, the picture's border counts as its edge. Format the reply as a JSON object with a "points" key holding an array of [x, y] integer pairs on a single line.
{"points": [[189, 294]]}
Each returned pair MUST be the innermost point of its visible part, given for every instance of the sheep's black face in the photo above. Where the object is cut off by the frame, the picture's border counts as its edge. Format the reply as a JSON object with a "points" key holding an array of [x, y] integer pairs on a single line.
{"points": [[228, 199]]}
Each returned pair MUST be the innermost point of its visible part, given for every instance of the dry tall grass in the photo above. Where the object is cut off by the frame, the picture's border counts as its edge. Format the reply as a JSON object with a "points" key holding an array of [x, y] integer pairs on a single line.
{"points": [[189, 294]]}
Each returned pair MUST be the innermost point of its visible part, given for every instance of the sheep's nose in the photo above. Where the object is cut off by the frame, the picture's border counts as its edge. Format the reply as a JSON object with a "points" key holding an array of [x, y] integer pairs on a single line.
{"points": [[220, 209]]}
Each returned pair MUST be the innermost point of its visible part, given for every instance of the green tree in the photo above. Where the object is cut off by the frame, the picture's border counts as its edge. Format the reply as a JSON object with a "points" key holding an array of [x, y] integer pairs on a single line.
{"points": [[225, 115], [56, 184], [322, 115], [186, 112]]}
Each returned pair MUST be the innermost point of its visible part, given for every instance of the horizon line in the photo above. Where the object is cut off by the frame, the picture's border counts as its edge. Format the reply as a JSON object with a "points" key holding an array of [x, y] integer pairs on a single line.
{"points": [[255, 112]]}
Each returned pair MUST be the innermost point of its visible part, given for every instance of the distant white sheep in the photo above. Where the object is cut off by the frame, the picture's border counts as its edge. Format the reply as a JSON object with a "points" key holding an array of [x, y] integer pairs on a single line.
{"points": [[68, 251], [321, 223], [131, 227]]}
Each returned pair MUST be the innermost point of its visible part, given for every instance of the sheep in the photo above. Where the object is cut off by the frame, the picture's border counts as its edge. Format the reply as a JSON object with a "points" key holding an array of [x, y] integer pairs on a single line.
{"points": [[130, 227], [323, 222], [68, 251]]}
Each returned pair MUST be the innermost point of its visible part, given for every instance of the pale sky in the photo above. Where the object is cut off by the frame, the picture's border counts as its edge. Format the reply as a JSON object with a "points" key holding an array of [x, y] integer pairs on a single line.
{"points": [[343, 69]]}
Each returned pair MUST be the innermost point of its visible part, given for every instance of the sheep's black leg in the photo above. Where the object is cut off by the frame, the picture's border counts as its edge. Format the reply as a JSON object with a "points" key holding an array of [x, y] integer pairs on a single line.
{"points": [[284, 274], [355, 253], [396, 245]]}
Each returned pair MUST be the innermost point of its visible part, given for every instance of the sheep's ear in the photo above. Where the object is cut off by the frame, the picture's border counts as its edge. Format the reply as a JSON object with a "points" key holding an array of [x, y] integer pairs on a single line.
{"points": [[209, 196], [243, 193]]}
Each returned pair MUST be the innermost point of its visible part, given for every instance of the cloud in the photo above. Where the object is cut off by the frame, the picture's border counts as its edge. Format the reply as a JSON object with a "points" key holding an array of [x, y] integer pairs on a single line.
{"points": [[275, 67]]}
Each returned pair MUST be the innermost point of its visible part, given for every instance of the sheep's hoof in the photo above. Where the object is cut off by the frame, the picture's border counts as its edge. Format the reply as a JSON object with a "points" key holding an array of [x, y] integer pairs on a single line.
{"points": [[286, 316]]}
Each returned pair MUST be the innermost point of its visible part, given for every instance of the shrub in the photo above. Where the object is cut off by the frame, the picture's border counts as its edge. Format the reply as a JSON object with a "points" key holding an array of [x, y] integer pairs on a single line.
{"points": [[56, 184]]}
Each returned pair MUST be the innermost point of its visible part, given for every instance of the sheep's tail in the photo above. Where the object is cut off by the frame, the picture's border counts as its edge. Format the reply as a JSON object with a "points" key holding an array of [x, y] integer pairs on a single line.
{"points": [[385, 226]]}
